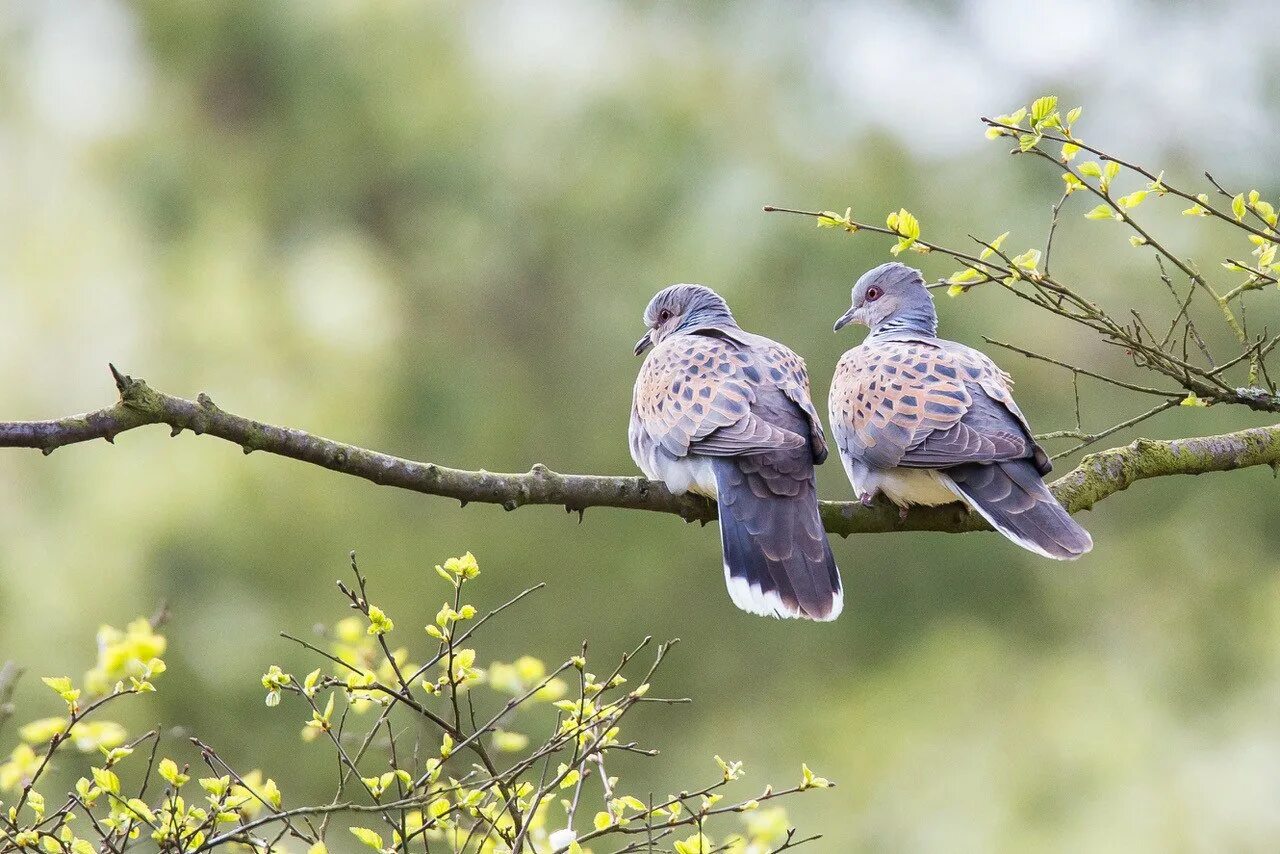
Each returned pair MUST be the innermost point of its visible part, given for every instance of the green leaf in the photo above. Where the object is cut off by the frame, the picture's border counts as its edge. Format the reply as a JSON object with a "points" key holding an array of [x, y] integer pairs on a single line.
{"points": [[1028, 260], [731, 770], [169, 771], [989, 250], [271, 793], [141, 810], [1073, 115], [904, 224], [696, 844], [631, 802], [379, 622], [1041, 108], [1090, 168], [831, 219], [510, 742], [87, 792], [1069, 151], [42, 730], [1109, 171], [1133, 199], [1100, 212], [1238, 207], [369, 837], [216, 786], [106, 780], [809, 780], [62, 686], [1192, 400]]}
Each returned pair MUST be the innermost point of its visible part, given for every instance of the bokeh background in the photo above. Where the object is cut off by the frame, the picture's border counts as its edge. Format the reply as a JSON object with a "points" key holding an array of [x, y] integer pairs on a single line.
{"points": [[431, 227]]}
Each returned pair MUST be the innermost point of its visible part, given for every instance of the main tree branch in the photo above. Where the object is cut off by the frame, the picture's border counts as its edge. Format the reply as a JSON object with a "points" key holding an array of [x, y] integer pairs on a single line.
{"points": [[1098, 475]]}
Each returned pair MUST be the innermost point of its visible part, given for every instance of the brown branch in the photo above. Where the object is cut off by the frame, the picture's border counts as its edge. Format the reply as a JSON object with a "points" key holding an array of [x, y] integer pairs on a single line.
{"points": [[1098, 475], [1206, 385]]}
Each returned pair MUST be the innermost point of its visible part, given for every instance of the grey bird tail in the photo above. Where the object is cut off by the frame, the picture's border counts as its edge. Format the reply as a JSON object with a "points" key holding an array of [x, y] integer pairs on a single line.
{"points": [[777, 561], [1013, 498]]}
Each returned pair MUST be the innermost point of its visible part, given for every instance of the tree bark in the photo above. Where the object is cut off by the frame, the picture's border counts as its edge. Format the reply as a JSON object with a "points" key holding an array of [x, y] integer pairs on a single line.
{"points": [[1099, 475]]}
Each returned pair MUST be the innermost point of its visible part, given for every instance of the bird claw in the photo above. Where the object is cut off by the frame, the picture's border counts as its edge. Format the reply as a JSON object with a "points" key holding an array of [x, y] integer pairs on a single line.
{"points": [[865, 499], [902, 514]]}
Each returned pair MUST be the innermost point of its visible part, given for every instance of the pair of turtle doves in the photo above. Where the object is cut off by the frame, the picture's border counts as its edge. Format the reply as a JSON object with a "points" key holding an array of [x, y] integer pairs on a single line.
{"points": [[724, 413]]}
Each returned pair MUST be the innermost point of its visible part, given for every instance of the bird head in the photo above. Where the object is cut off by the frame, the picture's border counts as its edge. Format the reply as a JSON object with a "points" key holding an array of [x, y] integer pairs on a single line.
{"points": [[683, 308], [892, 295]]}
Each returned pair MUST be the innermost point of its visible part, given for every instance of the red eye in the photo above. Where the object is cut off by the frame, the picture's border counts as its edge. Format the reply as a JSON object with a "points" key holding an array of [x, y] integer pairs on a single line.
{"points": [[873, 294]]}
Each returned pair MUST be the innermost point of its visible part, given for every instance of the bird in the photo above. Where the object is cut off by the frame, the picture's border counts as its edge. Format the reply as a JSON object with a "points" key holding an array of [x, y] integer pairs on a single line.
{"points": [[726, 414], [926, 421]]}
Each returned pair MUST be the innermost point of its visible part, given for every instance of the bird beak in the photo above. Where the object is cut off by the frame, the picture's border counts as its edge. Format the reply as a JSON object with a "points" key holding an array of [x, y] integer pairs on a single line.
{"points": [[845, 319], [644, 343]]}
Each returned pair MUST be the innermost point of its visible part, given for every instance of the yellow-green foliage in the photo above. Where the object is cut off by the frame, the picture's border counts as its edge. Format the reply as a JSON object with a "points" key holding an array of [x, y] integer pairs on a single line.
{"points": [[486, 786]]}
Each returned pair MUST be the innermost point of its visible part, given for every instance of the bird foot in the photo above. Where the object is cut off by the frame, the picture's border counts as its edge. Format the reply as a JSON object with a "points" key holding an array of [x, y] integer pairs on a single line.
{"points": [[865, 499], [902, 514]]}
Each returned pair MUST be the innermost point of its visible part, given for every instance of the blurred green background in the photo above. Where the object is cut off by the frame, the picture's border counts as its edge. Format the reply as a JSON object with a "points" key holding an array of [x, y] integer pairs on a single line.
{"points": [[431, 227]]}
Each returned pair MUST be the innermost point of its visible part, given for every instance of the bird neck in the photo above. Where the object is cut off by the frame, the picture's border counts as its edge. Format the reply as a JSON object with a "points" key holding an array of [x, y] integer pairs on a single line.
{"points": [[921, 320], [709, 318]]}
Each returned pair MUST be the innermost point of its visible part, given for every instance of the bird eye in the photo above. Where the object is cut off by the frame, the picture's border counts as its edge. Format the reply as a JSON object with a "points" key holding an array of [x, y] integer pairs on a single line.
{"points": [[873, 294], [664, 316]]}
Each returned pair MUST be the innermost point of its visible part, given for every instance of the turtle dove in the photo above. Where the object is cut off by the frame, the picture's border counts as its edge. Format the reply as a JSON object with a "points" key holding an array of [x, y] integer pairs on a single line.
{"points": [[726, 414], [924, 420]]}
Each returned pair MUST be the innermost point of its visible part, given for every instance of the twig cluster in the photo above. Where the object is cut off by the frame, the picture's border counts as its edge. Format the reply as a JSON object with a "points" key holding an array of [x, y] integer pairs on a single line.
{"points": [[1174, 349], [428, 757]]}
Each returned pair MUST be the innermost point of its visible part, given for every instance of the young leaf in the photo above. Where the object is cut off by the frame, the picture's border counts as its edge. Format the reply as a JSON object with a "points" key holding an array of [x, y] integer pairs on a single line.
{"points": [[368, 837], [1041, 108], [1238, 207], [1133, 199], [994, 246]]}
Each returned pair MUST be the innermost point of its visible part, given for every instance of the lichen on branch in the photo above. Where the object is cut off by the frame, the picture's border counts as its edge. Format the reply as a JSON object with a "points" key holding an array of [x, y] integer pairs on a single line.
{"points": [[1098, 476]]}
